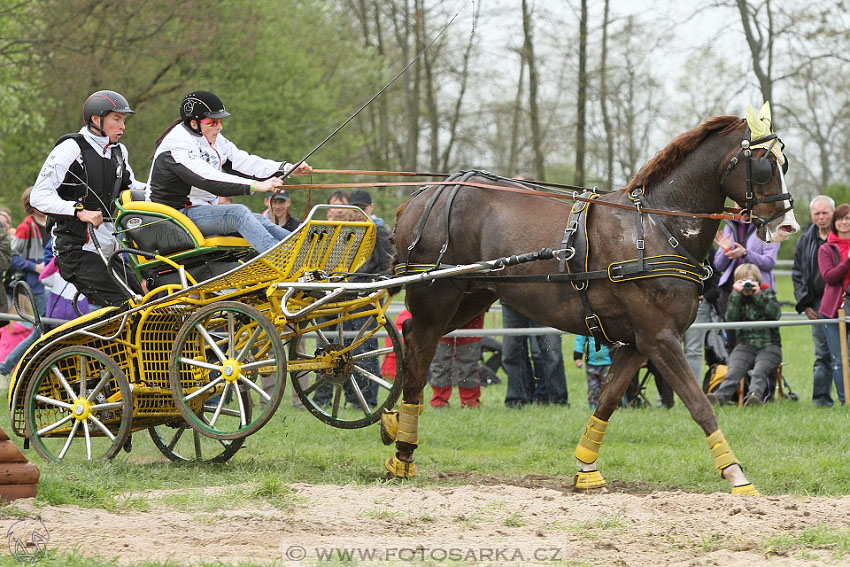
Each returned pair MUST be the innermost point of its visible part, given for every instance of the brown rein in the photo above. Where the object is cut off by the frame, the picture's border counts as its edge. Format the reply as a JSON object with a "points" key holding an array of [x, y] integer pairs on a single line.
{"points": [[712, 216]]}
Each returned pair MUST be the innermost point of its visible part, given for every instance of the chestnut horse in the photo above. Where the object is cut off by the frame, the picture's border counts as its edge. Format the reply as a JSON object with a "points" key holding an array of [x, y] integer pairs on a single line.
{"points": [[642, 314]]}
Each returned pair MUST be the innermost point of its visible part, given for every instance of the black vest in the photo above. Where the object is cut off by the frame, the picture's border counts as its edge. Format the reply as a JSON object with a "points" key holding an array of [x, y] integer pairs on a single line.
{"points": [[96, 183]]}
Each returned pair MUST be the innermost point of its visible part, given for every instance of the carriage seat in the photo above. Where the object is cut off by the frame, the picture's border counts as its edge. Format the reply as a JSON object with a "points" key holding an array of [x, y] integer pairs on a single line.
{"points": [[154, 227]]}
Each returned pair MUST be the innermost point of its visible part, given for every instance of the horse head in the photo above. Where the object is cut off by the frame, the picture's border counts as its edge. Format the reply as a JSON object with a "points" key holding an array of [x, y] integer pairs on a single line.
{"points": [[755, 179]]}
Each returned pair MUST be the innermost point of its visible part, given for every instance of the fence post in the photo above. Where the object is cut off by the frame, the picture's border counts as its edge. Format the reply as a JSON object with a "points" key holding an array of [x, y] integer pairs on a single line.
{"points": [[842, 333]]}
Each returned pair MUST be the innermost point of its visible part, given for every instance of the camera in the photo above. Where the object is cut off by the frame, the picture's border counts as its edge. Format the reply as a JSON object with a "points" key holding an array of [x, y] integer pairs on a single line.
{"points": [[748, 284]]}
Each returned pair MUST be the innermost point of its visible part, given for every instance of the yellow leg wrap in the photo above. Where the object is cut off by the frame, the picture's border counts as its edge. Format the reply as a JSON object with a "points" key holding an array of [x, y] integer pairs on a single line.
{"points": [[588, 480], [408, 423], [746, 490], [723, 456], [588, 446], [398, 468], [390, 423]]}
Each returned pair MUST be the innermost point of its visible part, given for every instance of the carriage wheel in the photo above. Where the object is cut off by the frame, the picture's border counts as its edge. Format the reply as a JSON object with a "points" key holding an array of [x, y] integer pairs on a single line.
{"points": [[181, 443], [335, 388], [78, 406], [222, 349]]}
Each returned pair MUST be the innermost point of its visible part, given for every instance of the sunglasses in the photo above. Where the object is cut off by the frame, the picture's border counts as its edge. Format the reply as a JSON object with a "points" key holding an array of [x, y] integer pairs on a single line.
{"points": [[211, 121]]}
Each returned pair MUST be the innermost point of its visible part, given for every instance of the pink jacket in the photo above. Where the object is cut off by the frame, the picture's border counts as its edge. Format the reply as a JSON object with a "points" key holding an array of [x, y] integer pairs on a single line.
{"points": [[833, 276]]}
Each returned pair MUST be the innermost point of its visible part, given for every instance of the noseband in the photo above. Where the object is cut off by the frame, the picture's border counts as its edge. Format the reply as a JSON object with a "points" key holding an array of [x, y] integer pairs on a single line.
{"points": [[763, 170]]}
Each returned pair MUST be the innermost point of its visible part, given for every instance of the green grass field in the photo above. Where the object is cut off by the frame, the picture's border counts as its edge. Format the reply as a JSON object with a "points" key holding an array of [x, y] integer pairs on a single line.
{"points": [[787, 447]]}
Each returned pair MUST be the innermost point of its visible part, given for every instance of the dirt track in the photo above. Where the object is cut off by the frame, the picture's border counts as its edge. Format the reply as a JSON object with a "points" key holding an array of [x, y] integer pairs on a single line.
{"points": [[535, 521]]}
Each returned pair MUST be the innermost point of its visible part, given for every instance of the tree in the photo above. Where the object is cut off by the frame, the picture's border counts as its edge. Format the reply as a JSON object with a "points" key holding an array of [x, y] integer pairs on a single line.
{"points": [[534, 112], [581, 99]]}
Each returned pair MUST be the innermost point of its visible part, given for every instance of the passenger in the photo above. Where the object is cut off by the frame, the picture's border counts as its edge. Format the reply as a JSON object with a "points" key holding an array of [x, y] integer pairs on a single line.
{"points": [[193, 163], [77, 185]]}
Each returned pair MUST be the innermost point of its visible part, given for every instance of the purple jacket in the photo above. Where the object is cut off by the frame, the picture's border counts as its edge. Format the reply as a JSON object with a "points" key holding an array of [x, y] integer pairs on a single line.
{"points": [[833, 278], [759, 252]]}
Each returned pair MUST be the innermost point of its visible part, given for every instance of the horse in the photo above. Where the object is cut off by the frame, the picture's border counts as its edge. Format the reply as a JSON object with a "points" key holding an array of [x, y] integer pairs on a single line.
{"points": [[629, 274]]}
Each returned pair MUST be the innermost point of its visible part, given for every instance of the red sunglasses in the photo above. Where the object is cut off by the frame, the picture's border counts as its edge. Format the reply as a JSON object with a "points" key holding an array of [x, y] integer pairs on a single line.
{"points": [[211, 121]]}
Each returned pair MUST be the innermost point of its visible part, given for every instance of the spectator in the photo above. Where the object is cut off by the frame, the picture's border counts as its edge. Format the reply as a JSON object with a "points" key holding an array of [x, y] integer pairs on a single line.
{"points": [[834, 263], [757, 349], [738, 244], [76, 187], [28, 259], [547, 360], [377, 265], [6, 221], [596, 369], [193, 163], [456, 362], [694, 339], [277, 210], [808, 291], [388, 368], [5, 261]]}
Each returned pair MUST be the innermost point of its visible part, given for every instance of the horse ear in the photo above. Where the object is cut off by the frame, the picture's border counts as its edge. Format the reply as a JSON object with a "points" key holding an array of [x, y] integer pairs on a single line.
{"points": [[764, 113], [759, 125]]}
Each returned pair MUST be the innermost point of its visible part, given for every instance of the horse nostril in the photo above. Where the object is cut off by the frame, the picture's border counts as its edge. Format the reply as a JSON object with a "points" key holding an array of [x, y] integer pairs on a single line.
{"points": [[789, 228]]}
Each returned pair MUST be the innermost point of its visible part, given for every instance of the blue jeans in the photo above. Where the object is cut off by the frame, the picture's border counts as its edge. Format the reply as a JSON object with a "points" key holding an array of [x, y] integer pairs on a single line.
{"points": [[548, 361], [694, 340], [833, 341], [226, 219], [822, 369], [14, 357]]}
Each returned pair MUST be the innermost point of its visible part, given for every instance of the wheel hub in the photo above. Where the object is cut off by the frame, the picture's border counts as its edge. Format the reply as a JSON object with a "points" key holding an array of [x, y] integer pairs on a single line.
{"points": [[231, 370], [81, 409], [341, 364]]}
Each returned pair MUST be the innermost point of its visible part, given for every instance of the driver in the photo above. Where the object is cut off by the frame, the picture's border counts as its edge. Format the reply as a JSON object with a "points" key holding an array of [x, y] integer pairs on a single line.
{"points": [[193, 163], [77, 185]]}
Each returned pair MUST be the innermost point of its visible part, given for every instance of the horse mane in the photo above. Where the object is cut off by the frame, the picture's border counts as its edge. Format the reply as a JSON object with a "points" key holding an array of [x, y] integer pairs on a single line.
{"points": [[665, 160]]}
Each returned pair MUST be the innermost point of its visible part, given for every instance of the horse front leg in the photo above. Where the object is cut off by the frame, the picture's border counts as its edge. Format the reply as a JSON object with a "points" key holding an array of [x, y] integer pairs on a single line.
{"points": [[402, 426], [669, 358], [626, 360]]}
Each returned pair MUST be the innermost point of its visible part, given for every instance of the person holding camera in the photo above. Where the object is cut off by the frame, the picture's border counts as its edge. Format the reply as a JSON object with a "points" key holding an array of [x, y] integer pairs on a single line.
{"points": [[759, 348]]}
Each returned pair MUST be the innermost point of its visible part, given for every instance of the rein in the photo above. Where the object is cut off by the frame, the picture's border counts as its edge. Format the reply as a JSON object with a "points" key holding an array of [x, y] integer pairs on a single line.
{"points": [[734, 214]]}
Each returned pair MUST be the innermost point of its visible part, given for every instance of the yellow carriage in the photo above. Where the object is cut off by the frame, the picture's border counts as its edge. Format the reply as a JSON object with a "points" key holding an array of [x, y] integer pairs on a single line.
{"points": [[201, 360]]}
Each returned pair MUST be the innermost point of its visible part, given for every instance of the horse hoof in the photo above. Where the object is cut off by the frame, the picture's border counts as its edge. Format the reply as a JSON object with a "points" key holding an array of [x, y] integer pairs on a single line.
{"points": [[396, 468], [588, 480], [389, 427], [746, 490]]}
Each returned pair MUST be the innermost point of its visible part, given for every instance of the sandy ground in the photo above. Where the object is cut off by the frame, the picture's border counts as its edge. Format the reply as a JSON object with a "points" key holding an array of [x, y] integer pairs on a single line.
{"points": [[530, 521]]}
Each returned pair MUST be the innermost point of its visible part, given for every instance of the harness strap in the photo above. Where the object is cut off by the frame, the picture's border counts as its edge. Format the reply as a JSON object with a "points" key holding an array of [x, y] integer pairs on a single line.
{"points": [[454, 193]]}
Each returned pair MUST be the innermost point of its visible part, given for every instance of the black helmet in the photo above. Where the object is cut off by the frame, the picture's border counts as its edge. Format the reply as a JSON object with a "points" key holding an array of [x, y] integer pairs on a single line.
{"points": [[201, 104], [102, 103]]}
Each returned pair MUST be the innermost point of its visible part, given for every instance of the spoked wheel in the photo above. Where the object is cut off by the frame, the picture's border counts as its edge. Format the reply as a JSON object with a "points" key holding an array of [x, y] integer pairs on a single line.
{"points": [[334, 382], [78, 406], [218, 358], [181, 443]]}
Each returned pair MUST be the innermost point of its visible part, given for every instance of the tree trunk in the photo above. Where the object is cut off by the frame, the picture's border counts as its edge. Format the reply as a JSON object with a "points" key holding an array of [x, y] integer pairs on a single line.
{"points": [[603, 101], [528, 52], [581, 111]]}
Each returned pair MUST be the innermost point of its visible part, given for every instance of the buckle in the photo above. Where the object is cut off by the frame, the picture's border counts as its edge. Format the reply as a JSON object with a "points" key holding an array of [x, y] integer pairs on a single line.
{"points": [[639, 243]]}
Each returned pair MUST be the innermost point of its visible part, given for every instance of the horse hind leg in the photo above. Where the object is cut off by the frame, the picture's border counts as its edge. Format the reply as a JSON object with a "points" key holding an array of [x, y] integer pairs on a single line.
{"points": [[625, 362], [670, 360]]}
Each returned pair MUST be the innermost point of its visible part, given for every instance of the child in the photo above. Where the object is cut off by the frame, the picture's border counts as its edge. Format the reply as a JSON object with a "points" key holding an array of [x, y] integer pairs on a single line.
{"points": [[758, 348], [598, 362]]}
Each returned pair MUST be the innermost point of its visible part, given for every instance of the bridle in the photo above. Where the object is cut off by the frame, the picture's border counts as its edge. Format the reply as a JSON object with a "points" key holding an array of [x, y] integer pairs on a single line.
{"points": [[759, 172]]}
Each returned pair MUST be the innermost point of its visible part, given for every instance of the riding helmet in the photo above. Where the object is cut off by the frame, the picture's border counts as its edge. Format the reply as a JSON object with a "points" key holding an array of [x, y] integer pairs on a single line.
{"points": [[102, 103], [201, 104]]}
